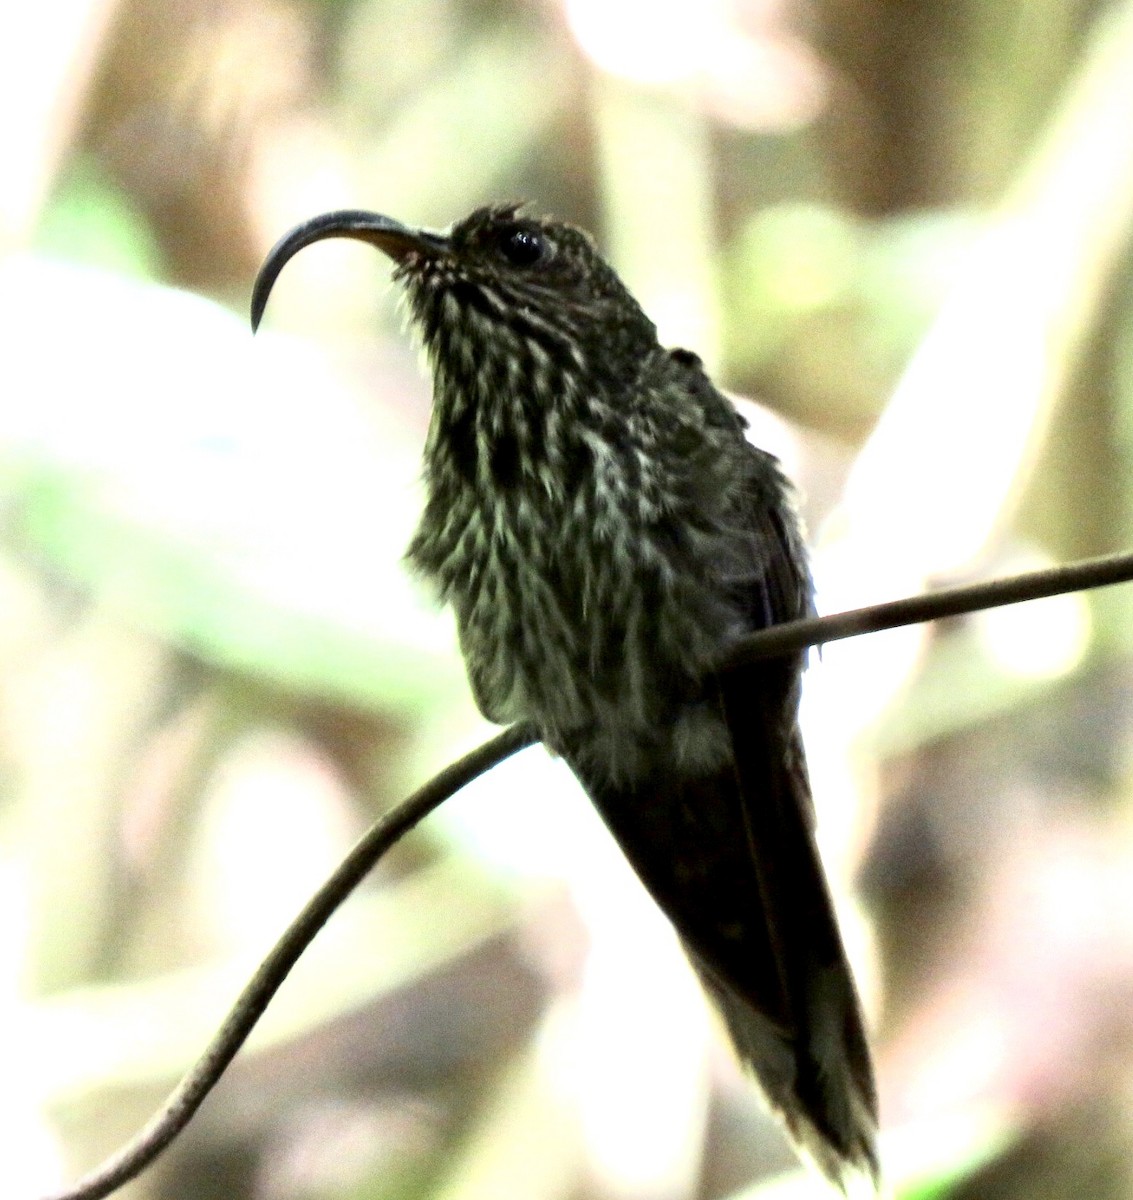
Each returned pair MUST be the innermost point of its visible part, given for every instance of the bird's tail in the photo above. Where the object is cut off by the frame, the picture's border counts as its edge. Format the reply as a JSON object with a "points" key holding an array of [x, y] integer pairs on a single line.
{"points": [[808, 1049], [730, 857]]}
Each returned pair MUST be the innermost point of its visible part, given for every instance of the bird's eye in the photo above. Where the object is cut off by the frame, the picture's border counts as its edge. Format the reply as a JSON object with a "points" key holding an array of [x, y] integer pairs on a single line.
{"points": [[522, 247]]}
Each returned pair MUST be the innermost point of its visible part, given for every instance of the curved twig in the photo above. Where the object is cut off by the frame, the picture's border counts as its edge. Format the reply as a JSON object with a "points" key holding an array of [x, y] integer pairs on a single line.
{"points": [[788, 638], [202, 1077]]}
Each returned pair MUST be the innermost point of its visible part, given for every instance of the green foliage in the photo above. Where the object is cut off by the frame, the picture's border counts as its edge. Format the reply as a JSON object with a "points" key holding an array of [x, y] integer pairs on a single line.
{"points": [[90, 220]]}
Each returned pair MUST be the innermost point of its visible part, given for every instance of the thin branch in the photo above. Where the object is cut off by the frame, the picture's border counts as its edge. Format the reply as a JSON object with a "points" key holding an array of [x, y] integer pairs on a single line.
{"points": [[932, 606], [202, 1077], [789, 638]]}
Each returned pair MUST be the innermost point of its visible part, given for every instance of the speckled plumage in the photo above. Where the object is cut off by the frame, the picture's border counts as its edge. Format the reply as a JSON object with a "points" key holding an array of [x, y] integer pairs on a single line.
{"points": [[604, 532], [571, 528]]}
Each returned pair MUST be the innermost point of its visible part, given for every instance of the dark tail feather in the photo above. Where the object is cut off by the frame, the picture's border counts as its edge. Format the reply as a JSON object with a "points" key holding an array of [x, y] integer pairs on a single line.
{"points": [[813, 1084], [729, 855], [816, 1067]]}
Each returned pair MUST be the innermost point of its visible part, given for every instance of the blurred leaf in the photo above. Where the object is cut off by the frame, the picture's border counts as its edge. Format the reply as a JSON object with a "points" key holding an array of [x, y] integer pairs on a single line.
{"points": [[452, 144], [997, 662], [928, 1159], [659, 226], [923, 1161], [238, 499], [812, 287], [378, 71], [90, 220], [942, 472], [122, 1034], [523, 1143]]}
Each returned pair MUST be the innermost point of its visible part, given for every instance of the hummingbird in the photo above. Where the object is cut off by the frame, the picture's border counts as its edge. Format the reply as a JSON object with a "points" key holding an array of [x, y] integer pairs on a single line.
{"points": [[605, 532]]}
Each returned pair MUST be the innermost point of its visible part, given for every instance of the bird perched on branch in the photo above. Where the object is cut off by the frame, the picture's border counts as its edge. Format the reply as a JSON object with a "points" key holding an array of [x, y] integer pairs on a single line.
{"points": [[605, 532]]}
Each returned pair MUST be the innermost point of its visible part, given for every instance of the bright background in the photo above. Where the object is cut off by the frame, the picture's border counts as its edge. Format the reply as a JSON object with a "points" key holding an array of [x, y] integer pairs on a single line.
{"points": [[903, 227]]}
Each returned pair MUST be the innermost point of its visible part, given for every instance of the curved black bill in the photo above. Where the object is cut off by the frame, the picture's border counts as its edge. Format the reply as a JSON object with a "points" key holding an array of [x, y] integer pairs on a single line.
{"points": [[389, 236]]}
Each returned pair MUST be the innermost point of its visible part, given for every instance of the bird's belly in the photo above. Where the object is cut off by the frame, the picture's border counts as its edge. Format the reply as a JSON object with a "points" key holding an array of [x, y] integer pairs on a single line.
{"points": [[616, 673]]}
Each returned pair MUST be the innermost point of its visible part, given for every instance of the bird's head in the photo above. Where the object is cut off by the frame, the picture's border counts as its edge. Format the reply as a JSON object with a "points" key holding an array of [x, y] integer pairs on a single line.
{"points": [[500, 298]]}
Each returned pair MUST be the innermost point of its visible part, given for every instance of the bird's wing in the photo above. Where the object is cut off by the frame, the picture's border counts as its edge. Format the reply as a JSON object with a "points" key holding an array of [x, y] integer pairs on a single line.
{"points": [[818, 1074], [729, 855]]}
